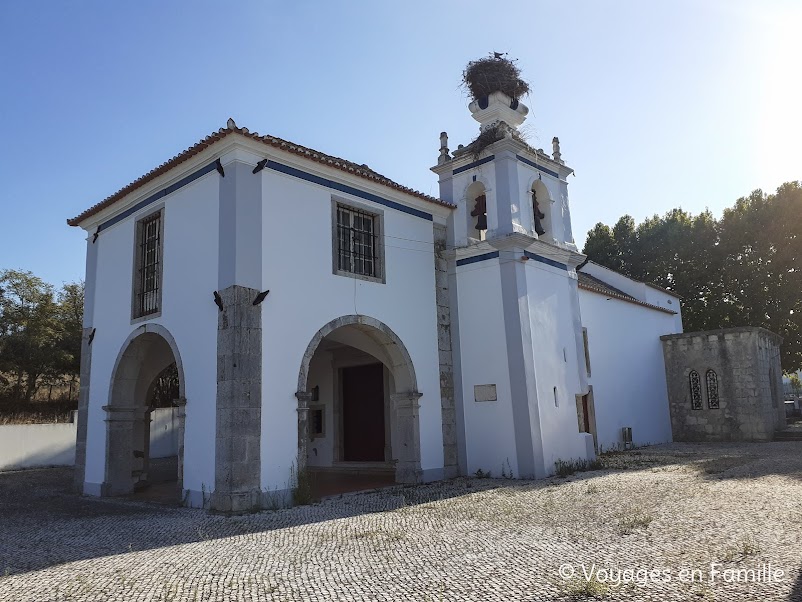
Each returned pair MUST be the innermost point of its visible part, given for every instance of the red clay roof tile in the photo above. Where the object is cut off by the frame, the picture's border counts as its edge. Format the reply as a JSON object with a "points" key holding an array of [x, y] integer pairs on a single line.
{"points": [[363, 171]]}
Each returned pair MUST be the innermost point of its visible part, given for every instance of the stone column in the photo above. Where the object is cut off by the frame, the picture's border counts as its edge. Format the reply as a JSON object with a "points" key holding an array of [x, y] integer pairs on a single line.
{"points": [[447, 405], [83, 412], [180, 415], [304, 397], [239, 402], [147, 418], [408, 468], [120, 449]]}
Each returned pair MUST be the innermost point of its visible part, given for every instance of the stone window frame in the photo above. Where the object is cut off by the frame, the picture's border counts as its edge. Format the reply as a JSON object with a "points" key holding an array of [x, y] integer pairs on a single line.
{"points": [[695, 391], [136, 282], [713, 398], [378, 234]]}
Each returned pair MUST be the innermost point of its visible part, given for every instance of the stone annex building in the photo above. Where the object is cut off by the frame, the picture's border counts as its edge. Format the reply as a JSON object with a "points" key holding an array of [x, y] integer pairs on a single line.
{"points": [[326, 319]]}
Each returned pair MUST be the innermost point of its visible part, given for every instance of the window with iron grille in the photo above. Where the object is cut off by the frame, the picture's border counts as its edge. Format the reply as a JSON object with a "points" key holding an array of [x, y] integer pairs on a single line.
{"points": [[358, 241], [712, 389], [696, 390], [148, 266]]}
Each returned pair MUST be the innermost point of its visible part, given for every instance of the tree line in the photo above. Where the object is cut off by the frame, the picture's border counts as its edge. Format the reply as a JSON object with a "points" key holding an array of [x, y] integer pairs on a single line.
{"points": [[40, 334], [740, 270]]}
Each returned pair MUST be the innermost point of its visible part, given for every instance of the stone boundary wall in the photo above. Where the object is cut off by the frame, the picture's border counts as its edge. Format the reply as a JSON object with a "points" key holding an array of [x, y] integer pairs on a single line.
{"points": [[746, 363]]}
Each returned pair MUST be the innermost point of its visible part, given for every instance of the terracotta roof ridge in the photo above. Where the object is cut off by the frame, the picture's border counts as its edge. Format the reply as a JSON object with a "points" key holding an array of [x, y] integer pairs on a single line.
{"points": [[362, 171], [588, 282]]}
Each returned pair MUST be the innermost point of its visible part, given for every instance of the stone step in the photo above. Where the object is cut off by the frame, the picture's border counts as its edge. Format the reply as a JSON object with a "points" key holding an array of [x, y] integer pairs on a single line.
{"points": [[792, 435]]}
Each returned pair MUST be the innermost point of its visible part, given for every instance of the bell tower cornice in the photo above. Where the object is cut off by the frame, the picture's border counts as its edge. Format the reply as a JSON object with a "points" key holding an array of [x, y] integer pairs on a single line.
{"points": [[463, 160]]}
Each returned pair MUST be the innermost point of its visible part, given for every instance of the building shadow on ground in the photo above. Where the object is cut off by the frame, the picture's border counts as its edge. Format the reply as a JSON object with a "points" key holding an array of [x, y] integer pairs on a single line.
{"points": [[45, 524]]}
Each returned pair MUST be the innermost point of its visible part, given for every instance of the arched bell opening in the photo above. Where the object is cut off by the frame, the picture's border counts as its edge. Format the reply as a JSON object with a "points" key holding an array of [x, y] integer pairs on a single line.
{"points": [[540, 206], [476, 202]]}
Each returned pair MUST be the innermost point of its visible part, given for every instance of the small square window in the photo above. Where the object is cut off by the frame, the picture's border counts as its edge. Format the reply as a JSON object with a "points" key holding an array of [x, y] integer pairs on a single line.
{"points": [[317, 422], [148, 265], [358, 248]]}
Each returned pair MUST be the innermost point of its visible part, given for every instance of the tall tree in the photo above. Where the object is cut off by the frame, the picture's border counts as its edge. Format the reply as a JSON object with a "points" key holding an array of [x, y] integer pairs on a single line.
{"points": [[29, 330], [70, 316], [741, 270]]}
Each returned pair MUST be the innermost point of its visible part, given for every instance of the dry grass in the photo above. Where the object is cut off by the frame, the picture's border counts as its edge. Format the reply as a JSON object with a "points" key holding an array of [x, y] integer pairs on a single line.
{"points": [[36, 412]]}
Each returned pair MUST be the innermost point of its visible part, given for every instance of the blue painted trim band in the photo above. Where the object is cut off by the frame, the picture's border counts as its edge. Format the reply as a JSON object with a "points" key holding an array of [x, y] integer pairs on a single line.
{"points": [[472, 165], [477, 258], [536, 166], [158, 195], [297, 173], [551, 262]]}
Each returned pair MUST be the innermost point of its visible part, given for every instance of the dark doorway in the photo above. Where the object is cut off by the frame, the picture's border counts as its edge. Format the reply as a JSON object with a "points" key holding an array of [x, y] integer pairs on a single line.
{"points": [[585, 413], [363, 413]]}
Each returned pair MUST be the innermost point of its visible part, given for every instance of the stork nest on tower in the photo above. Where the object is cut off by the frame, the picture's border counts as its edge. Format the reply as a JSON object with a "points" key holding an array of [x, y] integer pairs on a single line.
{"points": [[494, 73]]}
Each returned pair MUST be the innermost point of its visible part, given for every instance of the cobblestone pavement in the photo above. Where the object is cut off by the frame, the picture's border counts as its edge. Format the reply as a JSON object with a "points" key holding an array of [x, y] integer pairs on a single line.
{"points": [[670, 508]]}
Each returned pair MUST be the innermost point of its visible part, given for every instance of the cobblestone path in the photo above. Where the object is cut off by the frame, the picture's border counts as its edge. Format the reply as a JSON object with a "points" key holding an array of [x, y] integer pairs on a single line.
{"points": [[665, 509]]}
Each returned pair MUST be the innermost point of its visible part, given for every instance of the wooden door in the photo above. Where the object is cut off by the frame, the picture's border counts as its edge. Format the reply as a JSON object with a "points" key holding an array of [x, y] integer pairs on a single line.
{"points": [[363, 413]]}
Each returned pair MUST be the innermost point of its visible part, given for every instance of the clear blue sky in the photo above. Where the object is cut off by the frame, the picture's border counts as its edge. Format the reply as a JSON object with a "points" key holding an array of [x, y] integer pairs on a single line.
{"points": [[657, 104]]}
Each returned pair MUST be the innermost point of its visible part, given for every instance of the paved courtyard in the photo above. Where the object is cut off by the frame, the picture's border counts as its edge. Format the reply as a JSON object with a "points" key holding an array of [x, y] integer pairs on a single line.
{"points": [[671, 509]]}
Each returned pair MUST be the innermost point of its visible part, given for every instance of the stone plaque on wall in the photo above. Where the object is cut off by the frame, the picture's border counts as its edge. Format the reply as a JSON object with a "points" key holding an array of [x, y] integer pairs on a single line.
{"points": [[484, 392]]}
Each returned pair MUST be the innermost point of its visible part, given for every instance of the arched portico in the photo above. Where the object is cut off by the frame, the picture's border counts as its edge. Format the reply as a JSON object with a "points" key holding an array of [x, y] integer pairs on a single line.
{"points": [[378, 340], [144, 355]]}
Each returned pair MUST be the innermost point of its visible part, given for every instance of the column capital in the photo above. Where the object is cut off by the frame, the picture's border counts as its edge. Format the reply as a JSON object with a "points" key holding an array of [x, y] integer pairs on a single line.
{"points": [[303, 397], [406, 399]]}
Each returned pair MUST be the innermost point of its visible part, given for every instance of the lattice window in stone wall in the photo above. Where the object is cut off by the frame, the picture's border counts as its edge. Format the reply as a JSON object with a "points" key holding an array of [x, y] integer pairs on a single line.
{"points": [[711, 379], [696, 390]]}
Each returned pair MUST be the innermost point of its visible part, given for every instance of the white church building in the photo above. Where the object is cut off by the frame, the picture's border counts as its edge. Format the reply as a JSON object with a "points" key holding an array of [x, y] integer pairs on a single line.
{"points": [[325, 319]]}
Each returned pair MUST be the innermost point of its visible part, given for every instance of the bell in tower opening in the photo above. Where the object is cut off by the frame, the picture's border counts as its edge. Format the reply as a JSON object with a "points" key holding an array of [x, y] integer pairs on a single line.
{"points": [[480, 212], [539, 215]]}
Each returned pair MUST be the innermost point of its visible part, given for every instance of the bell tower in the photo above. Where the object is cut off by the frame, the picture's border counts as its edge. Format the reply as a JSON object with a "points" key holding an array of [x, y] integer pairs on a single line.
{"points": [[516, 328]]}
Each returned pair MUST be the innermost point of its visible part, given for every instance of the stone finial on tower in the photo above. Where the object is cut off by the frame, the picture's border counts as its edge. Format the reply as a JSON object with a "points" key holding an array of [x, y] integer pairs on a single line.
{"points": [[444, 156], [555, 150], [231, 124]]}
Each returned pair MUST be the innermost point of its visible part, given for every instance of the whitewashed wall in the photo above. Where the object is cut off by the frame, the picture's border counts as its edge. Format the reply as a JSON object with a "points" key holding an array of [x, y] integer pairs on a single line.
{"points": [[321, 374], [305, 295], [190, 276], [38, 445], [627, 369], [554, 342], [489, 425], [163, 433]]}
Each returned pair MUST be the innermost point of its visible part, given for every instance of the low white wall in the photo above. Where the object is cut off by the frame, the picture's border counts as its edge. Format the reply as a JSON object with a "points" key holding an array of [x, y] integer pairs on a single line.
{"points": [[32, 445], [164, 432], [37, 445]]}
